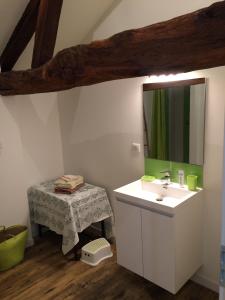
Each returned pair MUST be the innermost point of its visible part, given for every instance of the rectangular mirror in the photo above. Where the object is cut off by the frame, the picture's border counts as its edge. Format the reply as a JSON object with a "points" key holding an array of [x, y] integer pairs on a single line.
{"points": [[174, 117]]}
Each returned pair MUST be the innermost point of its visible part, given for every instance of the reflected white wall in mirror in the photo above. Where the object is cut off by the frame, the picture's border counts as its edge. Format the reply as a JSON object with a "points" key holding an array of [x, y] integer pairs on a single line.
{"points": [[174, 117]]}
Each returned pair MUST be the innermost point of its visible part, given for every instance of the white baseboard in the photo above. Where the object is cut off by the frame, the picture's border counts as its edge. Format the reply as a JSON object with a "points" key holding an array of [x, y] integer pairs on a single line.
{"points": [[206, 282]]}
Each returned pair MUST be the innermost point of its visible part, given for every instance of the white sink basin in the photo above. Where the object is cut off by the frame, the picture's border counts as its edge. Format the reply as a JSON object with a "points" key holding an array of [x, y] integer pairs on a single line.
{"points": [[173, 189], [152, 195]]}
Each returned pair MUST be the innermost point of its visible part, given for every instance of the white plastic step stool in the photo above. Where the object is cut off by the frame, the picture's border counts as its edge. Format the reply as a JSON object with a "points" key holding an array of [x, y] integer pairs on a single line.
{"points": [[95, 251]]}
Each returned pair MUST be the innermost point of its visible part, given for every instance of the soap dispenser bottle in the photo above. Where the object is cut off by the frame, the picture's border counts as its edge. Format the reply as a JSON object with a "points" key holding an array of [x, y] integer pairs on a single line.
{"points": [[181, 178]]}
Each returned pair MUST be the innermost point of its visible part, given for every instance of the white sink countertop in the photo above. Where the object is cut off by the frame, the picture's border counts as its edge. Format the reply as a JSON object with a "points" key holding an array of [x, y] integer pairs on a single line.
{"points": [[145, 194]]}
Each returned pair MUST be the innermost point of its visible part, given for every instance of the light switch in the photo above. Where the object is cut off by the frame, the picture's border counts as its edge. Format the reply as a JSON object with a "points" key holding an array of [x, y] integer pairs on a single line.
{"points": [[136, 147]]}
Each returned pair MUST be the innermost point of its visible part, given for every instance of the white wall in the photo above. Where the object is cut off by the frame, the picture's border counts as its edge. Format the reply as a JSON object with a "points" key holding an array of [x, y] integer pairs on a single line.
{"points": [[30, 151], [30, 135], [213, 172], [100, 122], [30, 144]]}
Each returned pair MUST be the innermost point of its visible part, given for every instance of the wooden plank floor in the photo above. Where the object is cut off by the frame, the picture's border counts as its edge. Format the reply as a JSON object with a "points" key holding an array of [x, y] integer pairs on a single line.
{"points": [[46, 274]]}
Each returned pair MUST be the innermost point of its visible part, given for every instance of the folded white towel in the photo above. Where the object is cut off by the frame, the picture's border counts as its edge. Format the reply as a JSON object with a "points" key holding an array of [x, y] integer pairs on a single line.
{"points": [[70, 177], [70, 184]]}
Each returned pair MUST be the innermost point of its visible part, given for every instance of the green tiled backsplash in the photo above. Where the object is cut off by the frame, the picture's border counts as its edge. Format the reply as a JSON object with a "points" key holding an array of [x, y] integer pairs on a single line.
{"points": [[154, 166]]}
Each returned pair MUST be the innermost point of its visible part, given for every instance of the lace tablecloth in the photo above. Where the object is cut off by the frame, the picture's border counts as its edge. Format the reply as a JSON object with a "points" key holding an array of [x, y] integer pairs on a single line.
{"points": [[68, 214]]}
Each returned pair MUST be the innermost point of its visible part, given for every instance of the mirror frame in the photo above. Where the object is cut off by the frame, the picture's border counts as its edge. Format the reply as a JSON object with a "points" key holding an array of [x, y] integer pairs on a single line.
{"points": [[177, 83]]}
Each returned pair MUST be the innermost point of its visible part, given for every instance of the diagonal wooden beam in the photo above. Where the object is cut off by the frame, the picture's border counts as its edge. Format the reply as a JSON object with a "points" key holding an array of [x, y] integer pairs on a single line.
{"points": [[20, 37], [186, 43], [46, 31]]}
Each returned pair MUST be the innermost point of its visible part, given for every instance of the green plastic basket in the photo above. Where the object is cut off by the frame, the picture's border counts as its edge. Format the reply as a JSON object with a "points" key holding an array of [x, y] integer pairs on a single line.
{"points": [[12, 249]]}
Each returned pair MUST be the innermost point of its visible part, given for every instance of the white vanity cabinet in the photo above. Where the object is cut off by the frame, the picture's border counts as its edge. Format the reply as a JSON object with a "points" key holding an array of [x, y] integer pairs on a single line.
{"points": [[163, 247]]}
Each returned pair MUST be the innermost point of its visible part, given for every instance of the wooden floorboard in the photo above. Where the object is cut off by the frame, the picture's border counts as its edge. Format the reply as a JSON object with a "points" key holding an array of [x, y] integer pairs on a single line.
{"points": [[46, 274]]}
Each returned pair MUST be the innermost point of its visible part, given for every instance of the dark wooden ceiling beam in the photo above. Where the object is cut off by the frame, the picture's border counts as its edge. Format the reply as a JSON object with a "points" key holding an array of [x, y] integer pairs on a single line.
{"points": [[20, 37], [46, 31], [186, 43]]}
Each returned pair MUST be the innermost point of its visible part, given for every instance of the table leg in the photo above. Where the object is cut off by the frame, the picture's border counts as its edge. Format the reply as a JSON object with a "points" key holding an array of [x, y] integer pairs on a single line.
{"points": [[39, 230], [103, 229], [77, 248], [75, 251]]}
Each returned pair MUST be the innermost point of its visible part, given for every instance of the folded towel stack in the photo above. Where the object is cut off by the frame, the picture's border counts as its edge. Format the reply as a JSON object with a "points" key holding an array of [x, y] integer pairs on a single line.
{"points": [[68, 184]]}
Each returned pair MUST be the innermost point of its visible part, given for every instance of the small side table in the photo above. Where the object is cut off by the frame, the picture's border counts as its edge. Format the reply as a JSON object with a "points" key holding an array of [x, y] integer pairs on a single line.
{"points": [[68, 214]]}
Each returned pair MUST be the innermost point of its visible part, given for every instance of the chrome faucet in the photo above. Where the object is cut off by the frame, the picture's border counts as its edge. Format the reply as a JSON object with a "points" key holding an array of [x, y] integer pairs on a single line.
{"points": [[165, 183], [166, 178]]}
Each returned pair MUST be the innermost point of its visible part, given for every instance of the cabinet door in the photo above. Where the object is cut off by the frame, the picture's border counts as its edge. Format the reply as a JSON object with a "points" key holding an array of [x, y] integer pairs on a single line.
{"points": [[128, 237], [158, 249]]}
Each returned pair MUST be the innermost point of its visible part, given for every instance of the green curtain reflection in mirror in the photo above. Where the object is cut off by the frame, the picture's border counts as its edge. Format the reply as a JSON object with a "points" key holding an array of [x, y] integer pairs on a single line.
{"points": [[158, 148], [167, 119]]}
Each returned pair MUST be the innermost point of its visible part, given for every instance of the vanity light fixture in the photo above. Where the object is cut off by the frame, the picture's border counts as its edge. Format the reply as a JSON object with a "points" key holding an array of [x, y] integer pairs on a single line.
{"points": [[171, 77]]}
